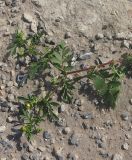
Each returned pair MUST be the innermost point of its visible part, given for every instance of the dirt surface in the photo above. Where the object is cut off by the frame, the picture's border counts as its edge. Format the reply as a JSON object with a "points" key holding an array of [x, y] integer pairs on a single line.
{"points": [[103, 27]]}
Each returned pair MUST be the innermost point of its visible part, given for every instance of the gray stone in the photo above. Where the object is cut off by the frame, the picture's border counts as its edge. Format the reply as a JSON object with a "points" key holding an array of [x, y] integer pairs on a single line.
{"points": [[34, 26], [121, 36], [77, 102], [10, 119], [71, 156], [117, 156], [24, 157], [125, 116], [104, 154], [125, 146], [125, 44], [99, 36], [67, 35], [86, 56], [73, 140], [28, 18], [10, 84], [10, 97], [36, 3], [66, 130], [130, 101], [46, 135], [87, 116], [62, 108], [7, 2], [59, 157], [6, 145], [2, 129]]}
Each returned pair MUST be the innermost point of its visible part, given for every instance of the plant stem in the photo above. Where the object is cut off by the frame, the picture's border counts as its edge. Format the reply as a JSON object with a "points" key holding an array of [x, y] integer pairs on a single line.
{"points": [[93, 67]]}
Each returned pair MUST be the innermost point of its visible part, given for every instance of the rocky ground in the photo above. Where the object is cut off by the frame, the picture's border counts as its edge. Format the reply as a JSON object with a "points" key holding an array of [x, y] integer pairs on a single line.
{"points": [[102, 27]]}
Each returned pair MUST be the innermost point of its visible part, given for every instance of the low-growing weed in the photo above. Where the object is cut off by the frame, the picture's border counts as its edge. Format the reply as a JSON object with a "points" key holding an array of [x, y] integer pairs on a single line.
{"points": [[105, 78]]}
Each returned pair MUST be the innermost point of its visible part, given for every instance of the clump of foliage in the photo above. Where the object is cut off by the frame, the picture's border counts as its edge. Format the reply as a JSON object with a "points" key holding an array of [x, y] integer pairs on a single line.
{"points": [[105, 78]]}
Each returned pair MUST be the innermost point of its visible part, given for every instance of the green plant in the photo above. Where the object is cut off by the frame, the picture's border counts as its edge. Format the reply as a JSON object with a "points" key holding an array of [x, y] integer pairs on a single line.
{"points": [[34, 111], [105, 78]]}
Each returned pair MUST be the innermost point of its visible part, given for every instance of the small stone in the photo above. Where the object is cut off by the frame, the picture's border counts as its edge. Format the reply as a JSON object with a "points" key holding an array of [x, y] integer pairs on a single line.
{"points": [[71, 156], [3, 158], [125, 146], [30, 148], [73, 140], [36, 3], [85, 125], [104, 154], [77, 102], [2, 129], [41, 148], [117, 156], [87, 116], [28, 18], [67, 35], [125, 116], [121, 36], [10, 84], [50, 40], [10, 97], [7, 2], [46, 135], [10, 119], [66, 130], [125, 44], [130, 101], [62, 108], [34, 26], [57, 150], [86, 56], [24, 157], [99, 36]]}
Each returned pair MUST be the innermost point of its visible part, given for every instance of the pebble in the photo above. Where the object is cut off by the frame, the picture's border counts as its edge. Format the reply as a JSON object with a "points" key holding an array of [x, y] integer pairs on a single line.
{"points": [[121, 36], [130, 101], [41, 148], [46, 135], [6, 145], [66, 130], [28, 18], [71, 156], [125, 44], [104, 154], [57, 149], [24, 157], [77, 102], [10, 84], [62, 108], [34, 26], [10, 97], [67, 35], [99, 36], [125, 116], [10, 119], [87, 116], [85, 125], [86, 56], [125, 146], [36, 3], [2, 129], [73, 140], [7, 2], [117, 156]]}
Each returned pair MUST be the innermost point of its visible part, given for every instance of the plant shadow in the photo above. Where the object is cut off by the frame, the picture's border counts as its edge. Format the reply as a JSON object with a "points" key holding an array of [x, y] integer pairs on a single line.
{"points": [[87, 89]]}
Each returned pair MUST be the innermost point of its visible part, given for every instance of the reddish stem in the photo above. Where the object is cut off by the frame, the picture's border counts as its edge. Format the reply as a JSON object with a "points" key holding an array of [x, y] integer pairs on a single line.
{"points": [[92, 67]]}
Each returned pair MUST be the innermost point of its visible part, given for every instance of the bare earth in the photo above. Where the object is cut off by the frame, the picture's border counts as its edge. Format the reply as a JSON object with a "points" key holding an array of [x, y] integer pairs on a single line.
{"points": [[105, 135]]}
